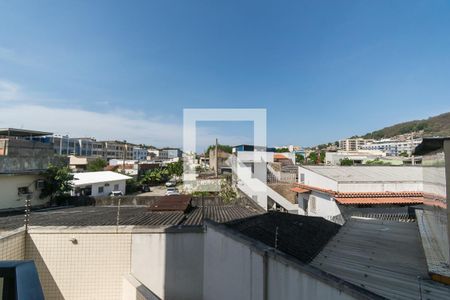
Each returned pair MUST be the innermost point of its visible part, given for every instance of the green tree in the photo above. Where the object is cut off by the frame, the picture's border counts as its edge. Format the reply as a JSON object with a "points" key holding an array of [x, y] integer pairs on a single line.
{"points": [[404, 154], [377, 162], [132, 186], [57, 182], [224, 148], [312, 158], [97, 164], [155, 176], [346, 162], [300, 159], [175, 169], [227, 193], [282, 150]]}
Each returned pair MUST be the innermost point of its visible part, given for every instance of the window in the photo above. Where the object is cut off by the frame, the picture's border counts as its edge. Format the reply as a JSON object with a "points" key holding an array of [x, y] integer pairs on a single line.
{"points": [[23, 190], [116, 187], [302, 177], [106, 184], [100, 190]]}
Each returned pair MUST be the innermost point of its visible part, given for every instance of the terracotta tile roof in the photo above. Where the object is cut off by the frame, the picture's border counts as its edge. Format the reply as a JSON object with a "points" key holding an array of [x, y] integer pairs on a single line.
{"points": [[300, 190], [405, 197], [380, 200], [172, 203], [314, 188], [279, 156], [378, 194]]}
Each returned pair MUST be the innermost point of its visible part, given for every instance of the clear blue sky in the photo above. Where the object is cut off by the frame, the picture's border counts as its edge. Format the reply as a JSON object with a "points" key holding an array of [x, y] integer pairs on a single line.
{"points": [[324, 70]]}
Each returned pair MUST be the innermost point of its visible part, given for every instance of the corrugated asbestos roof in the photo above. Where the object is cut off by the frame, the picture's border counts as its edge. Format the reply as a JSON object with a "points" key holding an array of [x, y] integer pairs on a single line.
{"points": [[129, 215], [370, 173], [385, 257], [171, 203]]}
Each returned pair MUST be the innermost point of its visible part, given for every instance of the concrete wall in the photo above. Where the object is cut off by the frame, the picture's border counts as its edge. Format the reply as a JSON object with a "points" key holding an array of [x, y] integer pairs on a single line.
{"points": [[169, 264], [90, 267], [12, 245], [9, 184], [316, 180], [133, 289], [235, 270], [381, 187], [319, 205]]}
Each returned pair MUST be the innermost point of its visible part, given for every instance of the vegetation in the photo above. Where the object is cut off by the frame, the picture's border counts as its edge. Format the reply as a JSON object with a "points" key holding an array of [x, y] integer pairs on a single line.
{"points": [[377, 162], [132, 186], [434, 126], [97, 164], [346, 162], [227, 193], [282, 150], [313, 158], [300, 159], [163, 174], [224, 148], [404, 154], [57, 183]]}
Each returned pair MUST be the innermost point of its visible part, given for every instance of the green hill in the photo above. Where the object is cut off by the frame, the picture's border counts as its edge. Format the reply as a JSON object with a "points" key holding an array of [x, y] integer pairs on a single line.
{"points": [[433, 126]]}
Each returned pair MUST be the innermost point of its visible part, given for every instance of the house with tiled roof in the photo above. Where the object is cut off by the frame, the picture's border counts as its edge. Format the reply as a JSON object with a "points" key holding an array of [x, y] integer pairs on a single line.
{"points": [[326, 191]]}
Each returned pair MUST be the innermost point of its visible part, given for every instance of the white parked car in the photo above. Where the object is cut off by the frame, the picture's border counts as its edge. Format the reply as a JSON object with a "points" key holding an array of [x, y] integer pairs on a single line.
{"points": [[171, 183], [115, 193], [172, 191]]}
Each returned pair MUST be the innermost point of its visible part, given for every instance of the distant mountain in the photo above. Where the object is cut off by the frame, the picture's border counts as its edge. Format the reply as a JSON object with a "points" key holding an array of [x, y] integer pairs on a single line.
{"points": [[433, 126]]}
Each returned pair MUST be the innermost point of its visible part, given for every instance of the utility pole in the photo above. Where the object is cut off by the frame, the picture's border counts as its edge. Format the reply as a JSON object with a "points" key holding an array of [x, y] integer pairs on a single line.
{"points": [[216, 153]]}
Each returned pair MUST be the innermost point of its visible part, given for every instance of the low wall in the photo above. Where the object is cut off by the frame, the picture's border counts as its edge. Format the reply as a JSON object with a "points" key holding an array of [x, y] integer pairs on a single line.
{"points": [[236, 267], [80, 263], [12, 245], [169, 263]]}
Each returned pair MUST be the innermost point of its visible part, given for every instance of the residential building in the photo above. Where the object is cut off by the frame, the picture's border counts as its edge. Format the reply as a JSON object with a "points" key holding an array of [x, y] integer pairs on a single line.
{"points": [[393, 147], [222, 162], [22, 161], [140, 153], [170, 154], [352, 144], [152, 153], [359, 157], [323, 190], [117, 150], [180, 248], [100, 183]]}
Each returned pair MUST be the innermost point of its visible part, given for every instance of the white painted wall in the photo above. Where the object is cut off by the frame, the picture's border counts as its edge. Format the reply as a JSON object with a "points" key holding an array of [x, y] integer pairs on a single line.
{"points": [[316, 180], [324, 207], [107, 187], [235, 270], [416, 186], [169, 264], [9, 184]]}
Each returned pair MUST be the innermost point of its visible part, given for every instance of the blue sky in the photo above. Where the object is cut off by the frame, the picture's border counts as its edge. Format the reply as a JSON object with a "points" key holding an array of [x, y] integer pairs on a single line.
{"points": [[324, 70]]}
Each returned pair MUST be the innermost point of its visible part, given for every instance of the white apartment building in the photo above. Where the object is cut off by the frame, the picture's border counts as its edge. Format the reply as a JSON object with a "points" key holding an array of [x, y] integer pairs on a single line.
{"points": [[140, 153], [353, 144], [393, 147]]}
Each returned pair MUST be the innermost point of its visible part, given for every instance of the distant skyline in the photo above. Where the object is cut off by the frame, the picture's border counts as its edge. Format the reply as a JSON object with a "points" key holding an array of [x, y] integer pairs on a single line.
{"points": [[324, 70]]}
